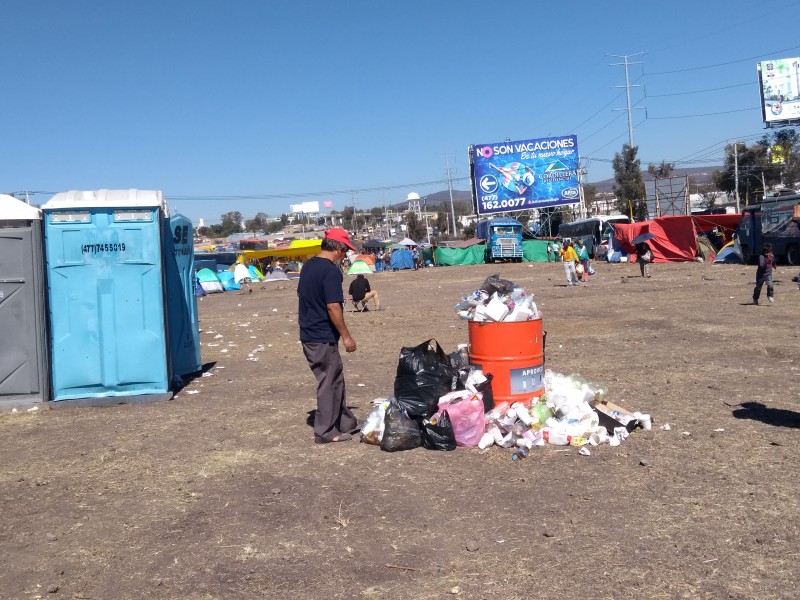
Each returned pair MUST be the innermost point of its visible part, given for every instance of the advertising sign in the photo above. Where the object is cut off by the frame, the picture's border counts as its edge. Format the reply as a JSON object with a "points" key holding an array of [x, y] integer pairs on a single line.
{"points": [[305, 208], [512, 176], [779, 82]]}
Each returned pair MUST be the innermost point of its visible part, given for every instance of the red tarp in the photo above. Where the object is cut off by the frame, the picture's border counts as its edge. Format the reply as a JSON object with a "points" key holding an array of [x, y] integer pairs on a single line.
{"points": [[675, 237]]}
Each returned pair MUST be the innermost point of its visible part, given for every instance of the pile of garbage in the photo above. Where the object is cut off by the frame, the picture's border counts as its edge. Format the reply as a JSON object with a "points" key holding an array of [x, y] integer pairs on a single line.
{"points": [[570, 412], [498, 300]]}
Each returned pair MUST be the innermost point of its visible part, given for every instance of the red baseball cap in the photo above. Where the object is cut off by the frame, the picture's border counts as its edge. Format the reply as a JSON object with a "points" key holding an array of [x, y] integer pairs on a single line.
{"points": [[340, 235]]}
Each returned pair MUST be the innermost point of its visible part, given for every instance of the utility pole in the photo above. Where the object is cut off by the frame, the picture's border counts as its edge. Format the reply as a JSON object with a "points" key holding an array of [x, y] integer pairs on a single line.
{"points": [[736, 171], [450, 187], [627, 87]]}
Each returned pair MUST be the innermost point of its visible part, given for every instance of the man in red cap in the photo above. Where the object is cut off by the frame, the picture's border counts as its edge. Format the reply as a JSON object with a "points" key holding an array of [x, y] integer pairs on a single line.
{"points": [[321, 321]]}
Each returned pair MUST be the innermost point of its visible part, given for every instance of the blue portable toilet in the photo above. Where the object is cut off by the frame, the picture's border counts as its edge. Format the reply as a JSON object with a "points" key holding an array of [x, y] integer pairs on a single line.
{"points": [[105, 277], [184, 325], [24, 368]]}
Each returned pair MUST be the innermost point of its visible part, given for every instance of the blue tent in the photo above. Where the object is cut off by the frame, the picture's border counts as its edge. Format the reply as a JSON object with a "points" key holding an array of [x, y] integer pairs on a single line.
{"points": [[402, 259], [228, 282]]}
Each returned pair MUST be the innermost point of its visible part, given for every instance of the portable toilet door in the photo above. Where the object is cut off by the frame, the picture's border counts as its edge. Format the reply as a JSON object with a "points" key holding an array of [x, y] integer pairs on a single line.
{"points": [[24, 375], [184, 332], [105, 277]]}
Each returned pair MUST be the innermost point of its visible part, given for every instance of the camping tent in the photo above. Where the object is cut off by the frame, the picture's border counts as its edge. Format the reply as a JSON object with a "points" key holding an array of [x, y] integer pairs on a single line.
{"points": [[407, 242], [675, 237], [228, 280], [402, 259], [373, 245], [209, 280], [359, 266], [255, 274], [729, 254], [241, 273]]}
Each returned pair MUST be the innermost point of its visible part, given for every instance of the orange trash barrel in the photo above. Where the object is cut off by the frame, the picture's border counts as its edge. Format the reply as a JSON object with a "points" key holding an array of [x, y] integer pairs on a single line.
{"points": [[513, 352]]}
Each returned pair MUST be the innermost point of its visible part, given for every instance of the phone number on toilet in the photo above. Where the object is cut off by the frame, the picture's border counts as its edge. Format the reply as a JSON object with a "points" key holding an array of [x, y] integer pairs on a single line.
{"points": [[97, 248], [487, 202]]}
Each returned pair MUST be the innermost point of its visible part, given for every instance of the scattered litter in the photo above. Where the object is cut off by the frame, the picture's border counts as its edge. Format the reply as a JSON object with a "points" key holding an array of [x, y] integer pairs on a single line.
{"points": [[274, 310], [252, 359], [32, 409], [220, 367], [687, 433], [269, 345], [192, 391], [244, 324], [224, 350], [255, 314], [210, 345], [253, 337], [584, 451], [719, 430], [362, 385], [665, 427], [14, 410], [207, 374], [219, 335]]}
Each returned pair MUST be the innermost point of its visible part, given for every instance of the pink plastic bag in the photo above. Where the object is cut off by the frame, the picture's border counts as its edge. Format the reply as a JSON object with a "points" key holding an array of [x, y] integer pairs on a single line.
{"points": [[467, 419]]}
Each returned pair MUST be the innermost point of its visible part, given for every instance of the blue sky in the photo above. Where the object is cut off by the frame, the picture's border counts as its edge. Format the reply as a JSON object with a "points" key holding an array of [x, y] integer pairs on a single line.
{"points": [[255, 105]]}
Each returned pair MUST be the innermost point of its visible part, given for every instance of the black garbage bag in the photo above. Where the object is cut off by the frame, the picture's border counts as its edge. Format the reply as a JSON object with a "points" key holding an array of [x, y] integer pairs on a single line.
{"points": [[494, 283], [485, 389], [400, 432], [439, 436], [424, 374]]}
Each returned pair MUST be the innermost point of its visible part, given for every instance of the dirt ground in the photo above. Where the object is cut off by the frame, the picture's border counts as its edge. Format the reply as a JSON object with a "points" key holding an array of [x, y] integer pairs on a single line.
{"points": [[220, 493]]}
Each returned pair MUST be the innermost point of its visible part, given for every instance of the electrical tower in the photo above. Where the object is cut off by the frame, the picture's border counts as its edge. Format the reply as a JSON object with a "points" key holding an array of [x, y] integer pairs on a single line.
{"points": [[627, 87]]}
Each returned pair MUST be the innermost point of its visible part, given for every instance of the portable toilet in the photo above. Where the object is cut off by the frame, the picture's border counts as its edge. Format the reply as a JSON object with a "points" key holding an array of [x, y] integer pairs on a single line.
{"points": [[105, 278], [184, 325], [24, 374]]}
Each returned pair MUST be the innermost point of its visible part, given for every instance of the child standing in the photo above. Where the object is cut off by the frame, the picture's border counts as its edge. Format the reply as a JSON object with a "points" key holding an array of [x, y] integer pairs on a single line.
{"points": [[766, 264]]}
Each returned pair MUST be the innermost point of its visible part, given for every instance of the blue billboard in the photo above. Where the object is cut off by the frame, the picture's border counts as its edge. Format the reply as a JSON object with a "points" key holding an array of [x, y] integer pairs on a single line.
{"points": [[512, 176]]}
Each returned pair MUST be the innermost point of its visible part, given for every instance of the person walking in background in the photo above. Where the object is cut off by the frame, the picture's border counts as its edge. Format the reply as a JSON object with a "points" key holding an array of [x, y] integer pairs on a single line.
{"points": [[321, 321], [766, 264], [569, 257], [643, 256], [549, 252], [360, 291], [583, 258]]}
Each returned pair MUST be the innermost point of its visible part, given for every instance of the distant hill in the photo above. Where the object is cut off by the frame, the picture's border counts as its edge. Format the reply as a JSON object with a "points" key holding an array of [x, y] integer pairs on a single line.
{"points": [[698, 175]]}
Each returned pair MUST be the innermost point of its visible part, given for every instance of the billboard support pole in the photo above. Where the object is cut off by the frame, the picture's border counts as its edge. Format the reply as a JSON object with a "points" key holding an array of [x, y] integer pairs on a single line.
{"points": [[736, 171]]}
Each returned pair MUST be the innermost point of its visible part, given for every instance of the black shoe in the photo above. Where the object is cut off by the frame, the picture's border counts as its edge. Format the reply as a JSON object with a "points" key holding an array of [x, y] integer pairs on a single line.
{"points": [[755, 301], [365, 309]]}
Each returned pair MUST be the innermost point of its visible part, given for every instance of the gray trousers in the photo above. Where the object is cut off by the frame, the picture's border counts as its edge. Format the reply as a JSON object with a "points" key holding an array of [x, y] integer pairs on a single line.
{"points": [[332, 417]]}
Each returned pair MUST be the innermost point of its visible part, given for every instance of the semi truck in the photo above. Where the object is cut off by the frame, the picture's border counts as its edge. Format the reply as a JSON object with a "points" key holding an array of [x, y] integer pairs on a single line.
{"points": [[774, 221], [503, 239]]}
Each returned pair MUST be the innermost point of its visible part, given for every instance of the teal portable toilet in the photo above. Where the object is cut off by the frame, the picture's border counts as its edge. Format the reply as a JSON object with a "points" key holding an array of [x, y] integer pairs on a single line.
{"points": [[184, 326], [105, 279], [24, 373]]}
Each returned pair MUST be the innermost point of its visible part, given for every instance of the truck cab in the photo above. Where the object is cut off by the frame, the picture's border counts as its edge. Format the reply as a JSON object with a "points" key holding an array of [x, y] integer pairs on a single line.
{"points": [[503, 239]]}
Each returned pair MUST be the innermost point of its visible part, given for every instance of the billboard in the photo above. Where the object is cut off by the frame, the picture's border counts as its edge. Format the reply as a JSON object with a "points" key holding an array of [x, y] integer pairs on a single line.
{"points": [[779, 84], [305, 208], [510, 176]]}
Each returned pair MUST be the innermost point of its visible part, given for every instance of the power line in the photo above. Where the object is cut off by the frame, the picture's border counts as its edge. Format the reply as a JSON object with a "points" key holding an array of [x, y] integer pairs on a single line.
{"points": [[727, 87], [732, 62], [724, 112]]}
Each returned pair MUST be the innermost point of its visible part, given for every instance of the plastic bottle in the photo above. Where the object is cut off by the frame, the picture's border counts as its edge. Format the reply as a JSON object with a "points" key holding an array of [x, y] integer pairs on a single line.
{"points": [[520, 454], [522, 413]]}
